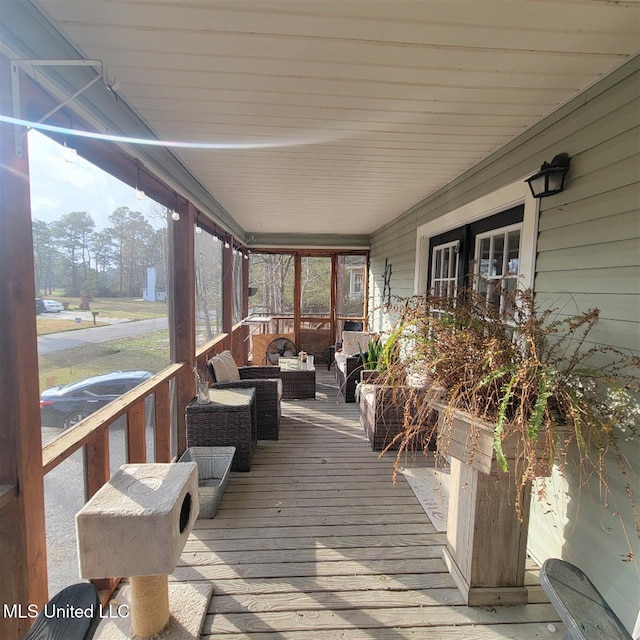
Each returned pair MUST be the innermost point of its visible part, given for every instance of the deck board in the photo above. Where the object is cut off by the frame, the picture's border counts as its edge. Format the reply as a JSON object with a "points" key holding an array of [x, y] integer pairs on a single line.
{"points": [[317, 543]]}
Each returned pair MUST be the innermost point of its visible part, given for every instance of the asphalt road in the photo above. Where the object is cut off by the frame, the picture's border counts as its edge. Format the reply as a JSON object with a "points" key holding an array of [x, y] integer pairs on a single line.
{"points": [[69, 339]]}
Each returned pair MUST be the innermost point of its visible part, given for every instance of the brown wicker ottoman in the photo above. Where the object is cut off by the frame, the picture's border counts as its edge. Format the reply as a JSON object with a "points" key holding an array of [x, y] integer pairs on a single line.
{"points": [[228, 420], [298, 385]]}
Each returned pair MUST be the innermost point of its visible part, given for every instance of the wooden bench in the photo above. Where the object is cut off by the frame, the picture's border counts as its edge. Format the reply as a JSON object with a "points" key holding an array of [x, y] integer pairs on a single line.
{"points": [[579, 604]]}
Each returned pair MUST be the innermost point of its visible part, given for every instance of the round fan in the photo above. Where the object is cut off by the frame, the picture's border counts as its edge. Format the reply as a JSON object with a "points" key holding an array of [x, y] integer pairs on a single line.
{"points": [[280, 348]]}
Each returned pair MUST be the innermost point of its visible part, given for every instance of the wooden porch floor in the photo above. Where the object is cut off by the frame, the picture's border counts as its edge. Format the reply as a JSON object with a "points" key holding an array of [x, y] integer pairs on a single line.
{"points": [[315, 543]]}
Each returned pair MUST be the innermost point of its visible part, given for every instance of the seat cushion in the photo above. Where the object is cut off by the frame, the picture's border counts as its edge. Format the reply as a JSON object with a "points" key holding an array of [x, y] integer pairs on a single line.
{"points": [[353, 341], [341, 362], [224, 367]]}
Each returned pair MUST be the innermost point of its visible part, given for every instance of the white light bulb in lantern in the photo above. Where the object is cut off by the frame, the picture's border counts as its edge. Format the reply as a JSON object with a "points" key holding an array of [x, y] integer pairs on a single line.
{"points": [[175, 215]]}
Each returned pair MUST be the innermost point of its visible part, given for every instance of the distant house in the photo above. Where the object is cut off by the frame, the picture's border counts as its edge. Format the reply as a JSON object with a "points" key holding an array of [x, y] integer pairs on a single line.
{"points": [[356, 282]]}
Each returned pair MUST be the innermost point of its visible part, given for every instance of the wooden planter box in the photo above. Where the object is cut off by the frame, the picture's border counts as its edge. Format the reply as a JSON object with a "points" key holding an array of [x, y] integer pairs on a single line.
{"points": [[382, 413], [369, 376], [486, 543]]}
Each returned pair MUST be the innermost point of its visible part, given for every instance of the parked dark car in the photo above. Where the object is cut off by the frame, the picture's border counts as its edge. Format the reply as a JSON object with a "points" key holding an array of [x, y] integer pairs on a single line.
{"points": [[40, 306], [64, 406]]}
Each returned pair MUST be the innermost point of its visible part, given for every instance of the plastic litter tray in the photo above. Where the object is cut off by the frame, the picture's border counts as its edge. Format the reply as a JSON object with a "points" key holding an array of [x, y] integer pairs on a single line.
{"points": [[214, 464]]}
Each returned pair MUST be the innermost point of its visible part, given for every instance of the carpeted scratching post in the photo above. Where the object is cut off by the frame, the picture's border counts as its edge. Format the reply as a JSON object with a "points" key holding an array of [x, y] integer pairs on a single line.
{"points": [[136, 526], [149, 605]]}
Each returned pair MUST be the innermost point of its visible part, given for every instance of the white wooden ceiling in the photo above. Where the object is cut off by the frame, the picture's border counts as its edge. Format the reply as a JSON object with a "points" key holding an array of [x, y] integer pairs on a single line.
{"points": [[367, 106]]}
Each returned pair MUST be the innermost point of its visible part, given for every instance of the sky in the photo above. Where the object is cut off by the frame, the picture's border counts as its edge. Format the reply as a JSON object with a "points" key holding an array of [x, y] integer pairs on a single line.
{"points": [[59, 187]]}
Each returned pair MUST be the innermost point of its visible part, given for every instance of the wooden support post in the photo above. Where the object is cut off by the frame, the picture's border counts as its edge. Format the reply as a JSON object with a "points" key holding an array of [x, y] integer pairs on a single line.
{"points": [[182, 310], [96, 463], [97, 473], [297, 302], [162, 431], [245, 310], [365, 310], [23, 555], [333, 325], [136, 436], [227, 289]]}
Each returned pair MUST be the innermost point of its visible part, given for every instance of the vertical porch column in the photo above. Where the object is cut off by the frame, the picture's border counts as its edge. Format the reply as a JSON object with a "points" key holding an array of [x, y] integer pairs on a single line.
{"points": [[23, 555], [245, 310], [227, 292], [297, 302], [182, 308], [365, 309], [333, 325]]}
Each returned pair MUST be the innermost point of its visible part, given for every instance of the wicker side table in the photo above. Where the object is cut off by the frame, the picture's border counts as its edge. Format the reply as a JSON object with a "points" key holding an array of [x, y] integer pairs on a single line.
{"points": [[228, 420], [298, 385]]}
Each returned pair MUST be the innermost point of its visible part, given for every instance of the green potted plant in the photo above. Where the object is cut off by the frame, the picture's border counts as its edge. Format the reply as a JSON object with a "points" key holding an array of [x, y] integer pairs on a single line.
{"points": [[524, 388], [391, 394], [372, 359]]}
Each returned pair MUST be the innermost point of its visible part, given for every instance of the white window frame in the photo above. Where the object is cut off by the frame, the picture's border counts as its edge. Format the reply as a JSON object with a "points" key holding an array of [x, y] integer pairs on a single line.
{"points": [[499, 231], [441, 247], [502, 199], [356, 283]]}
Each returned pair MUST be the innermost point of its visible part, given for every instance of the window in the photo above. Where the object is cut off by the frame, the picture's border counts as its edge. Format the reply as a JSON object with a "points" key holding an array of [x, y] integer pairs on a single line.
{"points": [[510, 196], [351, 286], [272, 276], [111, 388], [488, 249], [208, 270], [497, 261], [445, 271], [315, 286], [356, 284]]}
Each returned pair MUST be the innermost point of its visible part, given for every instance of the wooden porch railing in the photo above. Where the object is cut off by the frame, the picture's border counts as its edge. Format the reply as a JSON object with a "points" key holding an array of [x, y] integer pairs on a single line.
{"points": [[92, 433]]}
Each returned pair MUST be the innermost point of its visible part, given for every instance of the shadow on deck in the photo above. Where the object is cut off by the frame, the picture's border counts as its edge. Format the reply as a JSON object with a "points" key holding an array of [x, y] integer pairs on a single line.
{"points": [[316, 543]]}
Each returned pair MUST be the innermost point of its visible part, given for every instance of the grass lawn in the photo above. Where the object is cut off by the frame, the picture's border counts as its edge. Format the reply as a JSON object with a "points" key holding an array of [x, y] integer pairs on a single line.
{"points": [[133, 308], [148, 352], [48, 325]]}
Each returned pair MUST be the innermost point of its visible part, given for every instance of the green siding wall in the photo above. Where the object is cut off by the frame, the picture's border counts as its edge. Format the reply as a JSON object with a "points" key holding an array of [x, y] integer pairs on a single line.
{"points": [[588, 255]]}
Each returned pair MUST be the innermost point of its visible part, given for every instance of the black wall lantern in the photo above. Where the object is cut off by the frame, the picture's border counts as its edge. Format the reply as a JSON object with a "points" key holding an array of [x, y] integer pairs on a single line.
{"points": [[551, 177]]}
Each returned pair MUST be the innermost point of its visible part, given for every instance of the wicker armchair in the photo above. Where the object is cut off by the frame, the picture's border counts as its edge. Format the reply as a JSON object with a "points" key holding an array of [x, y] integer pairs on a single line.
{"points": [[347, 372], [268, 386], [348, 363]]}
